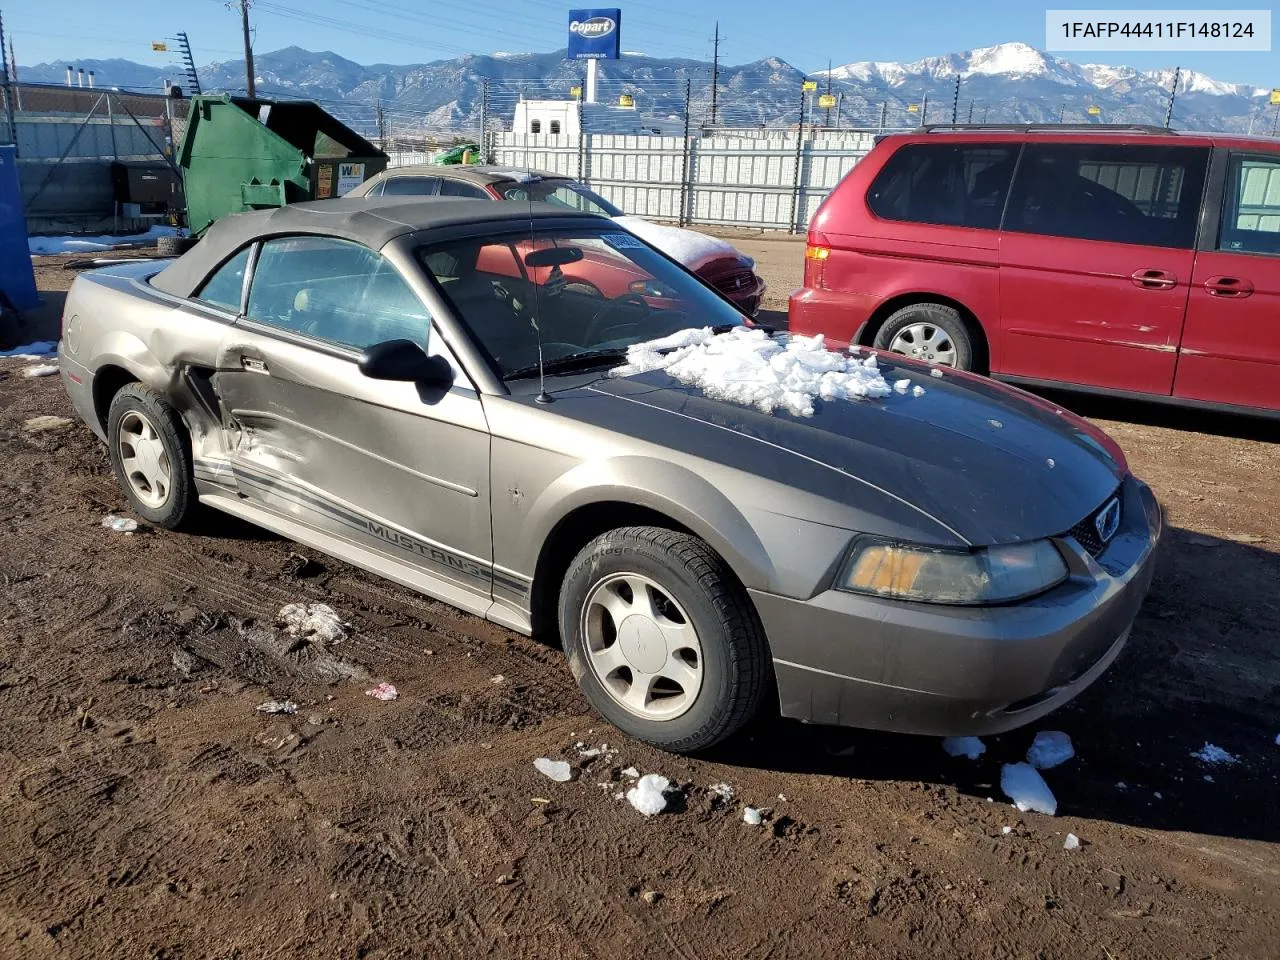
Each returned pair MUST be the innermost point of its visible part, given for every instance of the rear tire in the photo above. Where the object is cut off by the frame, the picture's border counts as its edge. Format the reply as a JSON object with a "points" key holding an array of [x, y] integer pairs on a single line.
{"points": [[662, 639], [151, 456], [929, 332]]}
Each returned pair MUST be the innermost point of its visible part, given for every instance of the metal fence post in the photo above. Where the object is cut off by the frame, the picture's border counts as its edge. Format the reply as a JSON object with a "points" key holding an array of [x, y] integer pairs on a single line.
{"points": [[683, 217], [484, 122], [795, 197]]}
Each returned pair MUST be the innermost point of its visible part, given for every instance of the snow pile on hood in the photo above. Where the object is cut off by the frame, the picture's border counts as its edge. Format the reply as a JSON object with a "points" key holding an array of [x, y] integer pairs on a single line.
{"points": [[47, 245], [690, 248], [749, 367]]}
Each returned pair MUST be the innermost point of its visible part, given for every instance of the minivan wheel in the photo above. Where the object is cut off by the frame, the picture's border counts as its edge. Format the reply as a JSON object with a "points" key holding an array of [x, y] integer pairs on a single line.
{"points": [[931, 332], [662, 639], [151, 456]]}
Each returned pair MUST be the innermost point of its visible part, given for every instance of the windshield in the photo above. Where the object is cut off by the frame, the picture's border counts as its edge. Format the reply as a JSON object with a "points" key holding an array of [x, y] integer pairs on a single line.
{"points": [[564, 193], [589, 292]]}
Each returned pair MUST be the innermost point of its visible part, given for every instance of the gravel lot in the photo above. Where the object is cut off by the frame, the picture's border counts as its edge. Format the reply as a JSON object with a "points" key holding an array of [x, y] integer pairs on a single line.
{"points": [[151, 811]]}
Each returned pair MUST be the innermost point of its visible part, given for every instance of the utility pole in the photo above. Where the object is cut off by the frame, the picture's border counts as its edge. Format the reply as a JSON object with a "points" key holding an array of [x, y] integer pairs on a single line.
{"points": [[248, 43], [1173, 92], [955, 102], [828, 119], [382, 127], [970, 120], [1062, 113], [924, 109], [715, 72]]}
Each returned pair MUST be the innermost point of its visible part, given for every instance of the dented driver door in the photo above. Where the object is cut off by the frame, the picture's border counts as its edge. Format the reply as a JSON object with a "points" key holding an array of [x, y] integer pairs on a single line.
{"points": [[389, 466]]}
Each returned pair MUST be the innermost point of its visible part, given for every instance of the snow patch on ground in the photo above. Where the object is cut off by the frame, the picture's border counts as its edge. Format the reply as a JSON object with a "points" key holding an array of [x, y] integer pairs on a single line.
{"points": [[752, 816], [971, 747], [749, 367], [649, 794], [689, 247], [33, 351], [722, 790], [74, 244], [1050, 748], [1027, 789], [1212, 753], [1071, 843], [44, 370], [557, 770]]}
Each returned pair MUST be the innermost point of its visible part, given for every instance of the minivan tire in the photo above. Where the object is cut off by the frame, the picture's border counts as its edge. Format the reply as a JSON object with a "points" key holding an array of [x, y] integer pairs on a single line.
{"points": [[933, 315], [693, 601]]}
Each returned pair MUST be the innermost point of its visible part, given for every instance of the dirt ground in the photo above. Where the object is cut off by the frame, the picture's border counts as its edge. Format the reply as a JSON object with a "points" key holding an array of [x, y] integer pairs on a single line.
{"points": [[150, 811]]}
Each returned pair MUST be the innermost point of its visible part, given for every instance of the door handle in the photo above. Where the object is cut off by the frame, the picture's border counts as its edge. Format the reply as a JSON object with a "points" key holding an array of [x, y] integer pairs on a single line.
{"points": [[1228, 287], [1153, 279], [253, 364]]}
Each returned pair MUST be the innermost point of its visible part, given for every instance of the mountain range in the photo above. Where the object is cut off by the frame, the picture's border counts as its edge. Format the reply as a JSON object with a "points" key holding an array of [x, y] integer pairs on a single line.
{"points": [[1003, 83]]}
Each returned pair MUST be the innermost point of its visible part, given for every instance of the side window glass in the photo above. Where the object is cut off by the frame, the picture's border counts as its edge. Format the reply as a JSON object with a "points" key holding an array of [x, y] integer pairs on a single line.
{"points": [[411, 186], [1118, 193], [1251, 219], [457, 188], [334, 290], [224, 286], [953, 184]]}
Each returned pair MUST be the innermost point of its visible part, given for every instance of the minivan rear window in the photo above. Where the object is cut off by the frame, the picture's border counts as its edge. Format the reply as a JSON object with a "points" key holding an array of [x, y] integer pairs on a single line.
{"points": [[1115, 192], [954, 184]]}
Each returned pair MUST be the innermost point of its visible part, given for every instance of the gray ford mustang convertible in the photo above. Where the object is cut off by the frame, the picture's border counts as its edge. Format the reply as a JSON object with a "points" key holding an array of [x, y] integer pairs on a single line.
{"points": [[708, 514]]}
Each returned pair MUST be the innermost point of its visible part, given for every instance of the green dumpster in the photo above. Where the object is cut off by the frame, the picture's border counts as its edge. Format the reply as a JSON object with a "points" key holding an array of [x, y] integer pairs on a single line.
{"points": [[240, 154]]}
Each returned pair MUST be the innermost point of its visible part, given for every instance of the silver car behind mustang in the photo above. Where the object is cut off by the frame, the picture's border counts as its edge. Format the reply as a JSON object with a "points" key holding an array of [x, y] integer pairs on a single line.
{"points": [[409, 385]]}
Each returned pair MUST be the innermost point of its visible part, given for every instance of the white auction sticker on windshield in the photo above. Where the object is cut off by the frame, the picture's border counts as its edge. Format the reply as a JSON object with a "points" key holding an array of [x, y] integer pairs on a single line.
{"points": [[622, 241]]}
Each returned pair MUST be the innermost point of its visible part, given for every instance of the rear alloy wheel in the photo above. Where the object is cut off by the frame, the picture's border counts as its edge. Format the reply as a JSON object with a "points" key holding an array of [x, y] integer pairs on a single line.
{"points": [[151, 457], [930, 332], [662, 638]]}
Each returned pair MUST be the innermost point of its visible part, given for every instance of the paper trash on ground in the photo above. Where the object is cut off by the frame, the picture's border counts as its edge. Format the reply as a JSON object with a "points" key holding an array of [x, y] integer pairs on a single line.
{"points": [[971, 747], [317, 620], [1212, 753], [1050, 748], [749, 367], [119, 524], [1023, 785], [277, 706], [383, 691], [649, 794]]}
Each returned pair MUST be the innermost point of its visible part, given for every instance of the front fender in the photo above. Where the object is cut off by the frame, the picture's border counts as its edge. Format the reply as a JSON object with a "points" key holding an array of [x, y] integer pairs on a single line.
{"points": [[672, 490]]}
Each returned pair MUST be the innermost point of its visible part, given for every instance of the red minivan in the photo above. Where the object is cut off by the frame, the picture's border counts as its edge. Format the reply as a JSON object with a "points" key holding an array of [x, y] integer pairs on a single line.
{"points": [[1125, 260]]}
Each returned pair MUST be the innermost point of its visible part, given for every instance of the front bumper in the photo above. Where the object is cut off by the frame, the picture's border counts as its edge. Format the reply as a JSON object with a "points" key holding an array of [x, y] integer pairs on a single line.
{"points": [[852, 660]]}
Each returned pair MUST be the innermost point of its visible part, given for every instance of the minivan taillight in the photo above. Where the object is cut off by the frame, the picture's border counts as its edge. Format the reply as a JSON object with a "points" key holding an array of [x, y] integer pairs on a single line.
{"points": [[817, 250]]}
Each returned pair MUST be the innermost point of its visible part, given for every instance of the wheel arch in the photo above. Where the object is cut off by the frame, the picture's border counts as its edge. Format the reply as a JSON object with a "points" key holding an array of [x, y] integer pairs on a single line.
{"points": [[981, 342], [631, 491]]}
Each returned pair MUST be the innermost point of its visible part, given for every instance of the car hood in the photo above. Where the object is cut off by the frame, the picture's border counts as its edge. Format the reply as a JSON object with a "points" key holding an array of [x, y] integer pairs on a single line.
{"points": [[689, 247], [984, 463]]}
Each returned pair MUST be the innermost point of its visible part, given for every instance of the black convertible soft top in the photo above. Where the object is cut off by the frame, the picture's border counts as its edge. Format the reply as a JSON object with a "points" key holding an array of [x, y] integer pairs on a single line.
{"points": [[372, 221]]}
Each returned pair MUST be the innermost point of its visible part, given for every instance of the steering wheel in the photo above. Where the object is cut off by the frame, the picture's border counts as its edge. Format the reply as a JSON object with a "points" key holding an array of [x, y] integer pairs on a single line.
{"points": [[597, 322]]}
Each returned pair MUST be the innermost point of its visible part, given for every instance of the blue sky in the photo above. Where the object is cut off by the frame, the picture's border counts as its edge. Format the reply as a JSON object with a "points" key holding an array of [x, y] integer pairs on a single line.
{"points": [[411, 31]]}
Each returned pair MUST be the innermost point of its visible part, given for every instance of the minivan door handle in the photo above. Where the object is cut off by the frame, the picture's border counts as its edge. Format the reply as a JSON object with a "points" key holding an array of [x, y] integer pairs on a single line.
{"points": [[1228, 287], [1153, 279]]}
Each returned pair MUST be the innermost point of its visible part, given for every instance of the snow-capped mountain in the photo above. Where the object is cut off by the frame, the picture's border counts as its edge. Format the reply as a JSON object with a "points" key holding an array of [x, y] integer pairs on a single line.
{"points": [[1003, 83]]}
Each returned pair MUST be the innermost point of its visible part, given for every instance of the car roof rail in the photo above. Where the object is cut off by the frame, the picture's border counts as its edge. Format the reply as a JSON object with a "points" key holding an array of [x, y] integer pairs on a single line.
{"points": [[1046, 128]]}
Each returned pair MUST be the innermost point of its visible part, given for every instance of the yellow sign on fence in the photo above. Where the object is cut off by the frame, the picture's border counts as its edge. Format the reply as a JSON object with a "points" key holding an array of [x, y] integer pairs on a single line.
{"points": [[809, 85], [913, 108], [1275, 97], [827, 101], [575, 91], [1094, 111], [159, 47], [626, 100]]}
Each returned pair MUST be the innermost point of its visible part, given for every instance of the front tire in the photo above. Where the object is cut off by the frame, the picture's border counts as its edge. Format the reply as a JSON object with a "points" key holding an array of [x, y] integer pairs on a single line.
{"points": [[151, 456], [662, 639], [930, 332]]}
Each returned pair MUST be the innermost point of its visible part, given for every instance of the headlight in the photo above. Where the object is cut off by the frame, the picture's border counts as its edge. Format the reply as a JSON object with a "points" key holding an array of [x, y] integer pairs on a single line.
{"points": [[930, 575]]}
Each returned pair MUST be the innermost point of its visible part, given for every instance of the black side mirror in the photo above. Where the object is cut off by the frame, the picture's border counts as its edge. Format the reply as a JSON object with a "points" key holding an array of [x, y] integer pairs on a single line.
{"points": [[405, 360]]}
